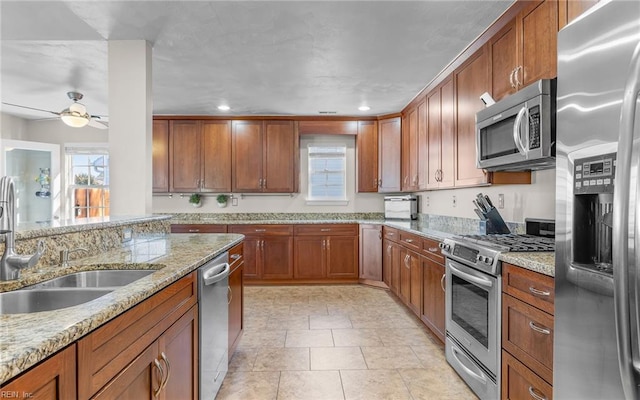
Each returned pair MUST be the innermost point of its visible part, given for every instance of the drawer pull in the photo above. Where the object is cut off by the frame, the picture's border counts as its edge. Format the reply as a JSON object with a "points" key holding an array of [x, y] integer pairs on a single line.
{"points": [[194, 230], [409, 240], [390, 233], [539, 292], [538, 329], [325, 230], [260, 230], [235, 256], [533, 394], [433, 249]]}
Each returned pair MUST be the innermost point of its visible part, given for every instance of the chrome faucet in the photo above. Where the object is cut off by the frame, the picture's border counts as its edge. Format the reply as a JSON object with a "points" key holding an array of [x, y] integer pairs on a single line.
{"points": [[64, 255], [11, 263]]}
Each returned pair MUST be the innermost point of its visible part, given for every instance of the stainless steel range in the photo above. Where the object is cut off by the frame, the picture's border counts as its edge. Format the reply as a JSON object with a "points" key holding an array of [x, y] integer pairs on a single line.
{"points": [[473, 304]]}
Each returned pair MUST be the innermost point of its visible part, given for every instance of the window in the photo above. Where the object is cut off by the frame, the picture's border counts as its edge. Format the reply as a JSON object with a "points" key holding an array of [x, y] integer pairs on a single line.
{"points": [[327, 172], [88, 180]]}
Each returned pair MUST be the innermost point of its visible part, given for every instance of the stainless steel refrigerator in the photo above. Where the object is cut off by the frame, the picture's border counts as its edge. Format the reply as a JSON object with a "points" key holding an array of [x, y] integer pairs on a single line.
{"points": [[596, 331]]}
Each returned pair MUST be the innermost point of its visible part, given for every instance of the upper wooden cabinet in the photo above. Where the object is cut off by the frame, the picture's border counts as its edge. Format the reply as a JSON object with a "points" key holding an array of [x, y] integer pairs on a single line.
{"points": [[440, 138], [199, 156], [389, 155], [409, 153], [367, 156], [568, 10], [160, 156], [264, 156], [524, 51]]}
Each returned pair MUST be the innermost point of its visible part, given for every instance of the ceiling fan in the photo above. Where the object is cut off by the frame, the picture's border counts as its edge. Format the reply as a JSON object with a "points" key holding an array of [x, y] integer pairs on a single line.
{"points": [[75, 115]]}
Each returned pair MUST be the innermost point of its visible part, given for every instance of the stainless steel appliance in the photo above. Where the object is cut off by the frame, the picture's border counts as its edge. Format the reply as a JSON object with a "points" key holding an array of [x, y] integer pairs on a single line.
{"points": [[401, 207], [213, 323], [518, 132], [473, 304], [596, 353]]}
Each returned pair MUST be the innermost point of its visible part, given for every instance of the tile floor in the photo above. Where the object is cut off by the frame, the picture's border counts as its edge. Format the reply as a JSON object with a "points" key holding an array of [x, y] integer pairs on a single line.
{"points": [[336, 342]]}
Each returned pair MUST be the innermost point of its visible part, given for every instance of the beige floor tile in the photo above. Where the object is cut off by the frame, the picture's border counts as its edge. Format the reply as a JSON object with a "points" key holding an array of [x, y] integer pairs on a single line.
{"points": [[288, 322], [436, 383], [255, 322], [374, 385], [404, 337], [430, 355], [282, 359], [262, 338], [310, 385], [356, 337], [360, 321], [308, 309], [309, 338], [243, 359], [329, 321], [242, 385], [337, 358], [390, 357]]}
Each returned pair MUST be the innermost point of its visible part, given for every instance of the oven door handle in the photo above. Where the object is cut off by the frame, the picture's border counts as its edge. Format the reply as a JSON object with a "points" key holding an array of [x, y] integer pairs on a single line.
{"points": [[480, 377], [478, 280]]}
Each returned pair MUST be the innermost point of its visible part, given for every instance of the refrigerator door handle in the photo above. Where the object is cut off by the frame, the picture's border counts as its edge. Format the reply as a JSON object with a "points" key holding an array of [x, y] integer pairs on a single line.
{"points": [[620, 255], [517, 139]]}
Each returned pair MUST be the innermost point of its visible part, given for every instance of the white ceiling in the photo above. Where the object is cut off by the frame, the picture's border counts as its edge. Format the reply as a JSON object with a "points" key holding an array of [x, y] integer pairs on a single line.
{"points": [[259, 57]]}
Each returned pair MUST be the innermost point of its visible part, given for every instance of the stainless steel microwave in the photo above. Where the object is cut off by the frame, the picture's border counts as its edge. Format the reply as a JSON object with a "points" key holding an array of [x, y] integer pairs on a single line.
{"points": [[518, 133]]}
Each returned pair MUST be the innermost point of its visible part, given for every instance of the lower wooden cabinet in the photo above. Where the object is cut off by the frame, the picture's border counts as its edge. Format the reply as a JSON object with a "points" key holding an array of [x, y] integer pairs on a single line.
{"points": [[411, 280], [198, 228], [52, 379], [519, 382], [433, 297], [370, 259], [268, 251], [326, 251], [236, 297]]}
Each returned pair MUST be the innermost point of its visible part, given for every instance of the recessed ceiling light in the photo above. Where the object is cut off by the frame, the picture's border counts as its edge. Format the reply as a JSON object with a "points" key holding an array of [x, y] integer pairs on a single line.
{"points": [[364, 108], [224, 108]]}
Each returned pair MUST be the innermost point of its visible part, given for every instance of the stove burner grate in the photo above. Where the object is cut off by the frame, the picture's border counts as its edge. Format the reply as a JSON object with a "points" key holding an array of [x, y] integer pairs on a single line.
{"points": [[516, 243]]}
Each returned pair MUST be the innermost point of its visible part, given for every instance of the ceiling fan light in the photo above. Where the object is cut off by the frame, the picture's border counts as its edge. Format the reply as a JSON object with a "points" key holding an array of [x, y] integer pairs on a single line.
{"points": [[78, 108], [74, 119]]}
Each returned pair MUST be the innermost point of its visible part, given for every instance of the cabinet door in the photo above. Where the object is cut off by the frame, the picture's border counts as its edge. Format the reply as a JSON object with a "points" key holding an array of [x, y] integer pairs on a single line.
{"points": [[572, 9], [252, 257], [433, 140], [387, 259], [160, 156], [371, 252], [472, 80], [433, 311], [141, 379], [367, 156], [178, 349], [280, 155], [415, 284], [405, 276], [519, 382], [342, 257], [409, 152], [277, 260], [390, 145], [184, 156], [236, 302], [216, 159], [422, 157], [396, 267], [539, 38], [447, 134], [52, 379], [504, 59], [246, 171], [309, 257]]}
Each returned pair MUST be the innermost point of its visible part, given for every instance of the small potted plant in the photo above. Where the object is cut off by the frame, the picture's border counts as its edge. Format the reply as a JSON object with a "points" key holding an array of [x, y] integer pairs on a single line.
{"points": [[195, 200], [222, 200]]}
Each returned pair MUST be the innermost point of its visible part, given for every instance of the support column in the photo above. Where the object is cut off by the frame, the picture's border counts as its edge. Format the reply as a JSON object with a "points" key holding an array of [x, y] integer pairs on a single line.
{"points": [[130, 127]]}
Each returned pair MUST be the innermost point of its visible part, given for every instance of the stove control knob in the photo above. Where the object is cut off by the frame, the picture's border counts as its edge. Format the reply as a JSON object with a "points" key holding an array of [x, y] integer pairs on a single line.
{"points": [[482, 258], [444, 246], [488, 260]]}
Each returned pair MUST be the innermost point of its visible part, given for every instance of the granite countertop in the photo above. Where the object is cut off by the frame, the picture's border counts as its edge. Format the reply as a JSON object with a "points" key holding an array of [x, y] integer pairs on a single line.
{"points": [[30, 338]]}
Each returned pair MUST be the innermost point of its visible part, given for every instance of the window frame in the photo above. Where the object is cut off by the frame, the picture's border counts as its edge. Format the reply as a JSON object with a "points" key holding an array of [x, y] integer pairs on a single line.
{"points": [[89, 149], [317, 200]]}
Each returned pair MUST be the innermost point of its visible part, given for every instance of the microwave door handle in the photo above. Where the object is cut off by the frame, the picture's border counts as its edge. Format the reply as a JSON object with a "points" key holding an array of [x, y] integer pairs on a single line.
{"points": [[620, 242], [516, 130]]}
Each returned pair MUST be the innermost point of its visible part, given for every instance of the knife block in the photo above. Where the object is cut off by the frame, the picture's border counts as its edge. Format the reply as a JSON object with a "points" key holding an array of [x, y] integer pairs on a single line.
{"points": [[495, 223]]}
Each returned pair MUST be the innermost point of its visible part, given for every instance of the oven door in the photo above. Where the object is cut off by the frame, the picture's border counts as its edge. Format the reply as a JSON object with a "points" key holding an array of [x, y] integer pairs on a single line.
{"points": [[473, 312]]}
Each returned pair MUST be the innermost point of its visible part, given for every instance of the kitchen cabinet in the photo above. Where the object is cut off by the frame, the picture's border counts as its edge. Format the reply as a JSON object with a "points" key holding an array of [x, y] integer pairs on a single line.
{"points": [[391, 261], [200, 156], [160, 156], [568, 10], [433, 288], [198, 228], [326, 251], [52, 379], [268, 251], [131, 355], [409, 153], [265, 156], [367, 157], [527, 333], [440, 138], [236, 297], [411, 280], [524, 51], [390, 145], [371, 253]]}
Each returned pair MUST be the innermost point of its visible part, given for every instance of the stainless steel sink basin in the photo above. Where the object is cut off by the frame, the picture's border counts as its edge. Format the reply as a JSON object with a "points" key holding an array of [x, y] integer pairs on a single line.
{"points": [[30, 301], [95, 279]]}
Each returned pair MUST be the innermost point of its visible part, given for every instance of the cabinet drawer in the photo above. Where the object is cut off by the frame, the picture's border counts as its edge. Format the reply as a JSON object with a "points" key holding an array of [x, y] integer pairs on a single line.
{"points": [[326, 230], [391, 233], [519, 382], [527, 333], [107, 350], [528, 286], [198, 228], [262, 230], [235, 256], [411, 241], [431, 249]]}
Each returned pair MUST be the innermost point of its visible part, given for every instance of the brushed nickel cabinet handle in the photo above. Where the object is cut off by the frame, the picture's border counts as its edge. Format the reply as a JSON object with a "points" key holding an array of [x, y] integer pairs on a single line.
{"points": [[409, 240], [433, 249], [166, 361], [325, 230], [539, 292], [229, 295], [235, 256], [513, 85], [442, 282], [194, 230], [260, 230], [161, 371], [406, 260], [533, 394], [538, 329]]}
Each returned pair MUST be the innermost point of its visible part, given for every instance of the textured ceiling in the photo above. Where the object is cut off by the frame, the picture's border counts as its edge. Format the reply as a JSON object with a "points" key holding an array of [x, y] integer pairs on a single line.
{"points": [[259, 57]]}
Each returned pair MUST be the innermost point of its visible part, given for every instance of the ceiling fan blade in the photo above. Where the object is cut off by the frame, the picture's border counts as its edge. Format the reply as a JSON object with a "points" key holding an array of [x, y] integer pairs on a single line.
{"points": [[31, 108], [98, 124]]}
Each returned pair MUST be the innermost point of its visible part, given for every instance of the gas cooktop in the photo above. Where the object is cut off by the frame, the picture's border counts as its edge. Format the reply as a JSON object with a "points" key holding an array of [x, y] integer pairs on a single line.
{"points": [[511, 242]]}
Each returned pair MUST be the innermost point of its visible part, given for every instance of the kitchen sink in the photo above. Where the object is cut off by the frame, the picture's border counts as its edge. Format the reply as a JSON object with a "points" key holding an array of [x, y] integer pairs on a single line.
{"points": [[36, 300], [94, 279]]}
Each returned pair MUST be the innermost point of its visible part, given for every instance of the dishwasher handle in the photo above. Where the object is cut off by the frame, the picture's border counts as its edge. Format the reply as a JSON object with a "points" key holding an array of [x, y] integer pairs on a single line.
{"points": [[215, 274]]}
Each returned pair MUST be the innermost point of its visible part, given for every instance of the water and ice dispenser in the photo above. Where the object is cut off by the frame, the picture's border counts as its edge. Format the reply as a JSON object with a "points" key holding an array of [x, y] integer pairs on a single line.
{"points": [[593, 210]]}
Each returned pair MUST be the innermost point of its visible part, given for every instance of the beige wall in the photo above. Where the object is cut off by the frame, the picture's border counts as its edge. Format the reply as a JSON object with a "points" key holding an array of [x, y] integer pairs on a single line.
{"points": [[12, 127]]}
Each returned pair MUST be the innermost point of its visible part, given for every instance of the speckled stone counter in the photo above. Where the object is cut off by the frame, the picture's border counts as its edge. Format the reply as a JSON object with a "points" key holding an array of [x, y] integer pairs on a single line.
{"points": [[542, 262], [27, 339]]}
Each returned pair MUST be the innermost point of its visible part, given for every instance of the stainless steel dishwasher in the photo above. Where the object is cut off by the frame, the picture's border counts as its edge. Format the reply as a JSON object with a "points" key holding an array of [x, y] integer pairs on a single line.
{"points": [[213, 314]]}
